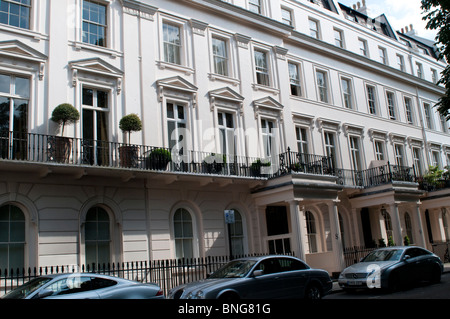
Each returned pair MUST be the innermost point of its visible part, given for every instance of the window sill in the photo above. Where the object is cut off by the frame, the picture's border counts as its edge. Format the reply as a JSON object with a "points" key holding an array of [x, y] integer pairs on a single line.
{"points": [[89, 47], [224, 78], [165, 65], [259, 87], [24, 32]]}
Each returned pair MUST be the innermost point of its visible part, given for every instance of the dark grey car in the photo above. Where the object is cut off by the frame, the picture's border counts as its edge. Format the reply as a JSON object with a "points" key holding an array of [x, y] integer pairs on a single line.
{"points": [[84, 286], [391, 267], [259, 278]]}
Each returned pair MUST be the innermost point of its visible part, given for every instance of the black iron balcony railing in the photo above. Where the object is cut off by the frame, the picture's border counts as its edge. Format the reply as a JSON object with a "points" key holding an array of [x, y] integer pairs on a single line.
{"points": [[41, 148], [376, 176]]}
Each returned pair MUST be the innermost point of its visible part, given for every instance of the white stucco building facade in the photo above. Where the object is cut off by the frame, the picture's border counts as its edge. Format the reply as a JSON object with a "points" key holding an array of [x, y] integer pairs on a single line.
{"points": [[348, 96]]}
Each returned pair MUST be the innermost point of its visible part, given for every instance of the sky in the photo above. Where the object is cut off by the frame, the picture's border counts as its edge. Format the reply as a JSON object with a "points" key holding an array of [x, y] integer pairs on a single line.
{"points": [[400, 13]]}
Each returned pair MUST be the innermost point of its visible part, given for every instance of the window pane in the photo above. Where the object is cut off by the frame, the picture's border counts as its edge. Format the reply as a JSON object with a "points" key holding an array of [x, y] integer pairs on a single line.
{"points": [[17, 232], [16, 256], [5, 83], [4, 231]]}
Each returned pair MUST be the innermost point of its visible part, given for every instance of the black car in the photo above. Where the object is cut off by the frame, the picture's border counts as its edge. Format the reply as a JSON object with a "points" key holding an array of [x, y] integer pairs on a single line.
{"points": [[391, 267], [265, 277]]}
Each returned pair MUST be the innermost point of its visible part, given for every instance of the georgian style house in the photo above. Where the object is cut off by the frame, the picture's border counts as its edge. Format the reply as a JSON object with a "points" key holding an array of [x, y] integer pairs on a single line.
{"points": [[313, 122]]}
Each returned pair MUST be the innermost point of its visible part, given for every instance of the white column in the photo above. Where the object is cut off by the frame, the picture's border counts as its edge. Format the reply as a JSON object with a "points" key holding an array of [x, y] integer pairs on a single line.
{"points": [[396, 226], [298, 229], [420, 236], [336, 242]]}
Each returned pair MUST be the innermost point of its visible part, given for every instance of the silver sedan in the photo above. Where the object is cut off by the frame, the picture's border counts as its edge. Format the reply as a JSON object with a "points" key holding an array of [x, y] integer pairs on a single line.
{"points": [[259, 278], [84, 286], [391, 267]]}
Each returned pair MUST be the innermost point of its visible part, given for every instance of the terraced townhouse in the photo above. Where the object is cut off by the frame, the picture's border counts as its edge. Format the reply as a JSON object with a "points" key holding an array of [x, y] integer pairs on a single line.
{"points": [[308, 123]]}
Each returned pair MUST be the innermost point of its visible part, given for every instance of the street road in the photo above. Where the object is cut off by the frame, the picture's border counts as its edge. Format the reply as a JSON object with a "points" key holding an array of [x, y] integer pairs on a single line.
{"points": [[420, 291]]}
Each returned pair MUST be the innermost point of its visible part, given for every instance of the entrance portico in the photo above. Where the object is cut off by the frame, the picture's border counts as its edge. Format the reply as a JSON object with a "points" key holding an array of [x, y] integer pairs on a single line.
{"points": [[308, 206]]}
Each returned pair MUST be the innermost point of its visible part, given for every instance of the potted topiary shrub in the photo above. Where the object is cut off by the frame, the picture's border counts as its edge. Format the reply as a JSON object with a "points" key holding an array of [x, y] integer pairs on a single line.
{"points": [[158, 159], [214, 163], [63, 114], [128, 154], [256, 167]]}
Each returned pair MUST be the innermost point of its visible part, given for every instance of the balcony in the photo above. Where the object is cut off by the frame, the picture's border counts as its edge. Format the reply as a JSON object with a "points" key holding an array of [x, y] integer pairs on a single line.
{"points": [[77, 152]]}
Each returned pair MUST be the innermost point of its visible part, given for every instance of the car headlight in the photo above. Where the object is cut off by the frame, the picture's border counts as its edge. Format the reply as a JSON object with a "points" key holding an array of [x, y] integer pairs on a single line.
{"points": [[198, 295]]}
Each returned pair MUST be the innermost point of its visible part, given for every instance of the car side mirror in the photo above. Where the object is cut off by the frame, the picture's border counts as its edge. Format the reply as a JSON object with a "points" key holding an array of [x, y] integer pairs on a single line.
{"points": [[258, 273], [406, 257], [45, 293]]}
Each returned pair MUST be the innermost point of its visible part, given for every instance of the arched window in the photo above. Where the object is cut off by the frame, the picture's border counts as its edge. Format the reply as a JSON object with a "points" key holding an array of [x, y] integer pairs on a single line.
{"points": [[311, 231], [183, 233], [408, 226], [97, 236], [12, 238], [237, 235]]}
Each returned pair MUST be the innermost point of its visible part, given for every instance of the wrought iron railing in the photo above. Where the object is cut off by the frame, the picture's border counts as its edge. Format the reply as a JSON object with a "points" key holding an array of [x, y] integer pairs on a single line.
{"points": [[85, 152]]}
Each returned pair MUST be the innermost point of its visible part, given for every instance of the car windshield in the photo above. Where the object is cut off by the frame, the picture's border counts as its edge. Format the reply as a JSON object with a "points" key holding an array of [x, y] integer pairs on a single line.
{"points": [[23, 291], [234, 269], [383, 255]]}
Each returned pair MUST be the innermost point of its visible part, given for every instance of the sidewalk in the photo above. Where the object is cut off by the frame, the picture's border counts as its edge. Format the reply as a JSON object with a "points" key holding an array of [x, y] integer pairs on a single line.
{"points": [[336, 287]]}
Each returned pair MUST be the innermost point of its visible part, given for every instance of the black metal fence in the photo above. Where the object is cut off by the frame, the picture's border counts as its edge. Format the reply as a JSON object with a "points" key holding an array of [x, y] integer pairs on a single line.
{"points": [[166, 273], [442, 250], [353, 255]]}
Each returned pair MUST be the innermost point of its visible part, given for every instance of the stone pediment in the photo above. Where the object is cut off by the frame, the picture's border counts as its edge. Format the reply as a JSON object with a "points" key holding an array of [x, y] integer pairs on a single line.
{"points": [[97, 66], [226, 94], [269, 103], [268, 106], [17, 49], [177, 83]]}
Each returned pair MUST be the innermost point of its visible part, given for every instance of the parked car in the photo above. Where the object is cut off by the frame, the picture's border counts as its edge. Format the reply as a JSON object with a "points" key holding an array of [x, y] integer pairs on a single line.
{"points": [[391, 267], [259, 278], [84, 286]]}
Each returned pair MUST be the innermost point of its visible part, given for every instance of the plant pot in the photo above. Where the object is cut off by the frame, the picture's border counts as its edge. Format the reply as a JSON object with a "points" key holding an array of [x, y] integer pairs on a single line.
{"points": [[62, 149], [128, 156], [158, 159]]}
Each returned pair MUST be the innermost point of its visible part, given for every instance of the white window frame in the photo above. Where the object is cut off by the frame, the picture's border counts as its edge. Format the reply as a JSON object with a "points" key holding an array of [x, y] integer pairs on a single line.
{"points": [[417, 159], [379, 149], [382, 52], [347, 93], [428, 116], [302, 137], [355, 152], [363, 47], [339, 40], [256, 6], [268, 136], [314, 28], [105, 26], [323, 90], [225, 59], [295, 82], [401, 62], [399, 153], [265, 72], [372, 100], [391, 105], [409, 110], [286, 11]]}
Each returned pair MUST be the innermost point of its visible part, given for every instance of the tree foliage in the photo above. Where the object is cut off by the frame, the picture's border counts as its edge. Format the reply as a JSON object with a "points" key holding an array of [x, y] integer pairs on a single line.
{"points": [[65, 113], [437, 15]]}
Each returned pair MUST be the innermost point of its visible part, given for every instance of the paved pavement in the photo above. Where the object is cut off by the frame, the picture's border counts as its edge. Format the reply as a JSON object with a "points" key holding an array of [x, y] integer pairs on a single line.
{"points": [[336, 287]]}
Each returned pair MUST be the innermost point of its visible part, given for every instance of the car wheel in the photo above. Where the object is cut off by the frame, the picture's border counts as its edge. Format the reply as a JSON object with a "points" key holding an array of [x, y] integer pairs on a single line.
{"points": [[394, 282], [435, 275], [313, 291]]}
